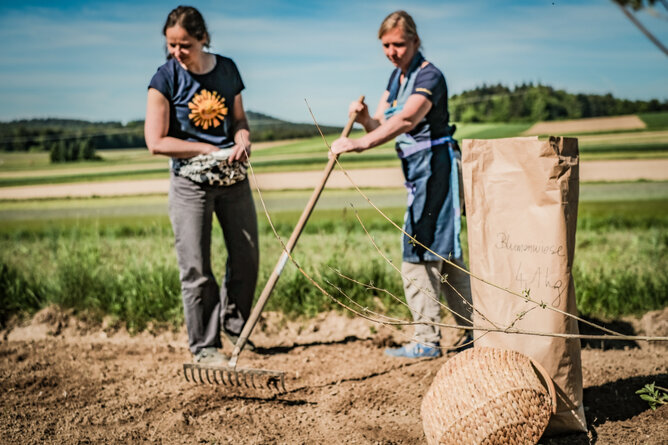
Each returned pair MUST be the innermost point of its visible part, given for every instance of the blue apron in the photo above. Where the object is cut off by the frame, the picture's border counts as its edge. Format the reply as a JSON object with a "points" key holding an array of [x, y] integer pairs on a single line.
{"points": [[433, 214]]}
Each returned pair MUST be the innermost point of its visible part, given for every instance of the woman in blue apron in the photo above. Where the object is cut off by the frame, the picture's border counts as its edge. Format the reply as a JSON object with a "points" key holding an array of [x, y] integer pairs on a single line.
{"points": [[414, 110]]}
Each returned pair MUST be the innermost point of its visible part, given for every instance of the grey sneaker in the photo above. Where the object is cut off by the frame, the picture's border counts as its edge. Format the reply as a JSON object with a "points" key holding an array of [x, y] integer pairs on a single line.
{"points": [[210, 356], [234, 338]]}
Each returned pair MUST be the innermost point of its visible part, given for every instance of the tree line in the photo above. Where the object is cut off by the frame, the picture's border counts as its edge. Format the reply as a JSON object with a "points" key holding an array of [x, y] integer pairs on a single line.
{"points": [[70, 140], [535, 103]]}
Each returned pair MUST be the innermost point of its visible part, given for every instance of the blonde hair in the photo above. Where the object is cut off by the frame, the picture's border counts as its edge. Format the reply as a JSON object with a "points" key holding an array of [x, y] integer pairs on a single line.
{"points": [[402, 20]]}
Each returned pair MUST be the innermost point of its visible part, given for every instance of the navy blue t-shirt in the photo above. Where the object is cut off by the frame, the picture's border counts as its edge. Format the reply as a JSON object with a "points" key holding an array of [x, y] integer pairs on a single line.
{"points": [[430, 83], [201, 105]]}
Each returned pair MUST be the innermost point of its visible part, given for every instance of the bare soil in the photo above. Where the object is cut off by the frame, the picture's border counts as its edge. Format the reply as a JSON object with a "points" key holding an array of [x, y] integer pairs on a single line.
{"points": [[588, 125], [65, 381]]}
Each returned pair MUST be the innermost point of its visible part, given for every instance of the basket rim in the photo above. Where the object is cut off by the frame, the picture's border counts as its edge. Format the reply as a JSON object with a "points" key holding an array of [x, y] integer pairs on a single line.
{"points": [[547, 380], [543, 376]]}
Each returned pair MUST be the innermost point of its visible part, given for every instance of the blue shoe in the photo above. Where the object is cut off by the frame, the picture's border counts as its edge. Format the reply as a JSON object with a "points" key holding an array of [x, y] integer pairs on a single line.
{"points": [[415, 350]]}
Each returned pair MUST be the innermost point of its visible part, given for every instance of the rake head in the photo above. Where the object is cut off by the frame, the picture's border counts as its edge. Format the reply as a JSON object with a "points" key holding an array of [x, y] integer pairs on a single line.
{"points": [[232, 376]]}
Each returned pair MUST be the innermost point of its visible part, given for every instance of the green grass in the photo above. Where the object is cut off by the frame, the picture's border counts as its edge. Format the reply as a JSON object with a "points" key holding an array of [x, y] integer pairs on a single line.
{"points": [[631, 193], [46, 212], [622, 154], [159, 173], [489, 131], [655, 121], [618, 273], [127, 268], [114, 257], [17, 161], [658, 147]]}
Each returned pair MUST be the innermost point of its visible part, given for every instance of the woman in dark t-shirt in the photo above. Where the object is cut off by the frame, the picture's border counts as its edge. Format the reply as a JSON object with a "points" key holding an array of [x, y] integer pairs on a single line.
{"points": [[414, 111], [195, 115]]}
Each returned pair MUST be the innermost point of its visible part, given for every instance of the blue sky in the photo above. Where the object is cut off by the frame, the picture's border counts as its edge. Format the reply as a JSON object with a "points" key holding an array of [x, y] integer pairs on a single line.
{"points": [[93, 60]]}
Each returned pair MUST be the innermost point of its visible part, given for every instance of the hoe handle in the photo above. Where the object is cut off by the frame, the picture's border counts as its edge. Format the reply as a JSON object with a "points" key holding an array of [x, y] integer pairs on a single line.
{"points": [[273, 279]]}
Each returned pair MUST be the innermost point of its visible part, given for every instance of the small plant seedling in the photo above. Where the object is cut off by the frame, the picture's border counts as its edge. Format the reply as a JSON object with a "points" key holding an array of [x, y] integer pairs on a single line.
{"points": [[654, 395]]}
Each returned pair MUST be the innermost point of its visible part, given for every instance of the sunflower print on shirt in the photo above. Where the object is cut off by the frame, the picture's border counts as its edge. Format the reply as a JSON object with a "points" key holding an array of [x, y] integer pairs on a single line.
{"points": [[207, 109]]}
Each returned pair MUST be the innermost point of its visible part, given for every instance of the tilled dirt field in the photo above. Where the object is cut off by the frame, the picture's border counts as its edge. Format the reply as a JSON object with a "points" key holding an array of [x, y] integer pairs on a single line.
{"points": [[588, 125], [64, 382]]}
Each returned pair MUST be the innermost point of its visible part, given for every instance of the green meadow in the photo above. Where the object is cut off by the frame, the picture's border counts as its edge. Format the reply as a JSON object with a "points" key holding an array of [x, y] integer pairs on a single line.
{"points": [[114, 256]]}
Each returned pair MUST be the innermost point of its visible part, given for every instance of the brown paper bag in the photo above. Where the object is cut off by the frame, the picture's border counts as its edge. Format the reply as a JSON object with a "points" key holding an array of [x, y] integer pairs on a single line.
{"points": [[521, 203]]}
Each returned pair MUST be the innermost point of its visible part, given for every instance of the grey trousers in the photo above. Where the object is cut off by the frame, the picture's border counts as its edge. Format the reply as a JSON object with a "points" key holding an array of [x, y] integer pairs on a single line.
{"points": [[423, 286], [208, 307]]}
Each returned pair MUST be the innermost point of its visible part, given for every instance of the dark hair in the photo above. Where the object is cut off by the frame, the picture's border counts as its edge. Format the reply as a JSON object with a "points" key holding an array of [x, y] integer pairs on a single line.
{"points": [[189, 19]]}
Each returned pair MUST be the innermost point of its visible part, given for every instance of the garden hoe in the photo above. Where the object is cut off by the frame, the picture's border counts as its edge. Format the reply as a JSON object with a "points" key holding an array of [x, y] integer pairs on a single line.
{"points": [[230, 374]]}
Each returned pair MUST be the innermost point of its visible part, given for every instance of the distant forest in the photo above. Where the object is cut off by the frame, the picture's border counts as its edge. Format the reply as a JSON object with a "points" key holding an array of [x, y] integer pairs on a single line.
{"points": [[536, 103], [70, 140]]}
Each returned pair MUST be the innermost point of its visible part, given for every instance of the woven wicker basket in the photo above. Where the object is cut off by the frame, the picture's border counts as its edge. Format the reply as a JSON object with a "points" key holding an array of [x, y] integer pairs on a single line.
{"points": [[488, 396]]}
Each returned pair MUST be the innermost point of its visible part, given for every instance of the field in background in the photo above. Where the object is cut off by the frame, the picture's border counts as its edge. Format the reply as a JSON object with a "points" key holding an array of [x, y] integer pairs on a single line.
{"points": [[114, 256], [311, 154]]}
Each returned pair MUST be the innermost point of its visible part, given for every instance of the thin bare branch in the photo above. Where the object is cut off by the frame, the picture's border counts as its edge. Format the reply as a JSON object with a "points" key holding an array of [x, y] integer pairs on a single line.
{"points": [[388, 321], [644, 30]]}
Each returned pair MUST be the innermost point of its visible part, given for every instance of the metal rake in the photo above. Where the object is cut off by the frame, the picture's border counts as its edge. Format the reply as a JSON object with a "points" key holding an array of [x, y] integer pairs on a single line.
{"points": [[240, 377]]}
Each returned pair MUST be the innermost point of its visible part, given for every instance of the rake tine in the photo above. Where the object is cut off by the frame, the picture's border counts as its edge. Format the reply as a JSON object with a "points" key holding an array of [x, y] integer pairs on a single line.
{"points": [[272, 380]]}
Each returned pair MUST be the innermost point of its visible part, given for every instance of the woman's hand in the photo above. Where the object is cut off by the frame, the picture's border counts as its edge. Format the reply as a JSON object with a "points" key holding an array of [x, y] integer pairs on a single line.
{"points": [[344, 144], [241, 152], [362, 111]]}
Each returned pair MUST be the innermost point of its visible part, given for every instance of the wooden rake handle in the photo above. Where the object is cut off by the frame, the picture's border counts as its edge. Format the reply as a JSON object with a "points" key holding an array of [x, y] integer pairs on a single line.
{"points": [[275, 275]]}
